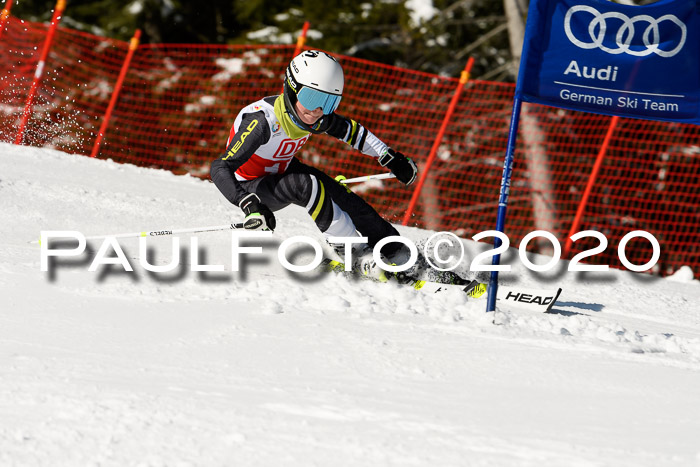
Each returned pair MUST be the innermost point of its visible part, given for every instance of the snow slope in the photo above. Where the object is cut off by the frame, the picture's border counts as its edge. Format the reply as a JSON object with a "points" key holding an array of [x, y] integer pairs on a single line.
{"points": [[270, 368]]}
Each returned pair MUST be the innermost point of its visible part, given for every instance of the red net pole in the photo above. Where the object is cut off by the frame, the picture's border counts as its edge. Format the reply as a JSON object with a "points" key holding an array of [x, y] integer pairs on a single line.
{"points": [[60, 6], [301, 40], [133, 45], [4, 15], [589, 186], [436, 144]]}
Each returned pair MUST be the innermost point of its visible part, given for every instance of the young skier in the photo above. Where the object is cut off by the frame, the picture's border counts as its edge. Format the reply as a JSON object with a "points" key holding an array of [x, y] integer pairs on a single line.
{"points": [[259, 173]]}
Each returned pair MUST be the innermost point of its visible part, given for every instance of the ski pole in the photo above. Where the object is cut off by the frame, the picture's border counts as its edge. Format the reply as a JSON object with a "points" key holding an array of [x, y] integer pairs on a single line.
{"points": [[160, 233], [365, 178]]}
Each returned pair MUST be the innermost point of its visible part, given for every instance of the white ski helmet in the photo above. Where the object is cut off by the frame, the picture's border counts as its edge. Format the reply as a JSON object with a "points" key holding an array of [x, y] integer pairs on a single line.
{"points": [[315, 79]]}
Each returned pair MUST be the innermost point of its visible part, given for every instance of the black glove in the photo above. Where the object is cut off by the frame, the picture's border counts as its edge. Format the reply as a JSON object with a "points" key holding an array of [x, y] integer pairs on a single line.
{"points": [[257, 215], [401, 166]]}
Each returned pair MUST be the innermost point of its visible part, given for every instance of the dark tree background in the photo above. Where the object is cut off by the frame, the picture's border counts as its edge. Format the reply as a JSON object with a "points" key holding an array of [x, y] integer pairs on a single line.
{"points": [[386, 32]]}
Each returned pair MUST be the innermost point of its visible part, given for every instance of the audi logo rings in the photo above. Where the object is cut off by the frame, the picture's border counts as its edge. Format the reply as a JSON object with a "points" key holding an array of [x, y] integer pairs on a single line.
{"points": [[651, 36]]}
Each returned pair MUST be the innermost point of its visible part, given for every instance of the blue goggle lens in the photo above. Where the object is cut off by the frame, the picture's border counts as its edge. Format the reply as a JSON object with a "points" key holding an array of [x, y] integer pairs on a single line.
{"points": [[312, 99]]}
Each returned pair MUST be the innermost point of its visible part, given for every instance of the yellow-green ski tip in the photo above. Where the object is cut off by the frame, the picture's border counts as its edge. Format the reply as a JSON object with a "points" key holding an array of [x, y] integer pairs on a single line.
{"points": [[477, 291]]}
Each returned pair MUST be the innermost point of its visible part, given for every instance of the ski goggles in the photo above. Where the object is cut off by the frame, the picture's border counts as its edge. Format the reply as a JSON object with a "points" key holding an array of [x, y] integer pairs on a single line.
{"points": [[312, 99]]}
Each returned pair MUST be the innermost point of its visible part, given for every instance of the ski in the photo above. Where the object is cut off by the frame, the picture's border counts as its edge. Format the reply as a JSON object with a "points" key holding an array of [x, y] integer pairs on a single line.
{"points": [[525, 298], [528, 298], [472, 288]]}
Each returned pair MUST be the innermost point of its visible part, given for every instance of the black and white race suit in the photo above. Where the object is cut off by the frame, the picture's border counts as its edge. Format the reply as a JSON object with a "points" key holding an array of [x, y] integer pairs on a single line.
{"points": [[260, 159]]}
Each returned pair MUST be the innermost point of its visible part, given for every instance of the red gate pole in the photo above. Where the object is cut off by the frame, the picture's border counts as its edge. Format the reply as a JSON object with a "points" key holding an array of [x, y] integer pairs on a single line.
{"points": [[133, 45], [436, 144], [60, 6], [589, 186], [4, 15]]}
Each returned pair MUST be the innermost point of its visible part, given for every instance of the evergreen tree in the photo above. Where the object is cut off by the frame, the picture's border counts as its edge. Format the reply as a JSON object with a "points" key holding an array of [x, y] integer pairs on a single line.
{"points": [[385, 32]]}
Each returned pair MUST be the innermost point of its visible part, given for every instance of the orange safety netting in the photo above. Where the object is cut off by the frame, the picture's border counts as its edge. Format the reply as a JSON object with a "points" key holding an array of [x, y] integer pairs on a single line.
{"points": [[179, 101]]}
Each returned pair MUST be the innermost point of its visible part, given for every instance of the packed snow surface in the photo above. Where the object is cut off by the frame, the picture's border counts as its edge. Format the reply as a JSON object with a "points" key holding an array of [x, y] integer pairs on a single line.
{"points": [[265, 367]]}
